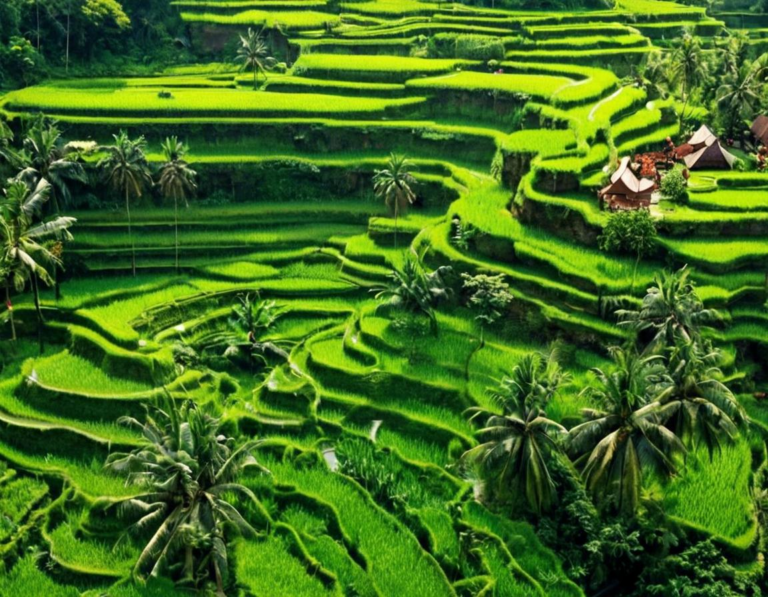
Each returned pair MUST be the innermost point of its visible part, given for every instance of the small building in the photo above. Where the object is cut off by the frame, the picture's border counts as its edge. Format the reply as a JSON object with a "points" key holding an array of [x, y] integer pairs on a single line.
{"points": [[760, 129], [704, 152], [626, 190]]}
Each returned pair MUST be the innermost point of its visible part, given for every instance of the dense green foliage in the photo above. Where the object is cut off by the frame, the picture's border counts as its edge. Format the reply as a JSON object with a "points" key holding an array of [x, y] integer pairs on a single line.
{"points": [[366, 233]]}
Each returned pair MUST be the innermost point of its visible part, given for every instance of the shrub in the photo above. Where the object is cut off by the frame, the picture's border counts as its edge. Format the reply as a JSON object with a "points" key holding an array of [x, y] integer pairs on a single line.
{"points": [[674, 186], [479, 47]]}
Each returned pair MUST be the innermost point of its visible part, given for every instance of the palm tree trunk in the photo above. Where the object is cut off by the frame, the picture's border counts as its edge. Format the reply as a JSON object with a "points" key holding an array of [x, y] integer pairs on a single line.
{"points": [[219, 580], [397, 212], [130, 232], [39, 311], [37, 10], [10, 308], [634, 274], [189, 564], [255, 80], [176, 220], [69, 13], [685, 107], [471, 356]]}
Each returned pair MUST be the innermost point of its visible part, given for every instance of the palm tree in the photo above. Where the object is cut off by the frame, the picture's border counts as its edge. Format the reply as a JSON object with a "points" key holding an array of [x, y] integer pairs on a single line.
{"points": [[688, 67], [740, 95], [177, 181], [700, 405], [616, 442], [671, 309], [254, 54], [46, 156], [25, 258], [515, 453], [519, 441], [414, 289], [533, 382], [127, 171], [255, 317], [187, 468], [394, 184], [7, 153]]}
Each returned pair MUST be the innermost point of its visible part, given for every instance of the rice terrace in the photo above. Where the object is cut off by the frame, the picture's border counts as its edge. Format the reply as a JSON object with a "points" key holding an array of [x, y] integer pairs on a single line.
{"points": [[383, 298]]}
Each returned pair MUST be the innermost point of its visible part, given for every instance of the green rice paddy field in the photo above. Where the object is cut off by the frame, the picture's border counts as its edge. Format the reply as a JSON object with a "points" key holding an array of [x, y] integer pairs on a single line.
{"points": [[299, 226]]}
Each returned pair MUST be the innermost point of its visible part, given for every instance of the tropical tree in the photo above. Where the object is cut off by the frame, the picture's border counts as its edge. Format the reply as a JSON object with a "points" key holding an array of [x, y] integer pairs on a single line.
{"points": [[7, 153], [414, 289], [394, 183], [688, 67], [654, 75], [534, 381], [187, 471], [625, 434], [701, 408], [253, 53], [24, 254], [45, 155], [255, 317], [514, 454], [488, 296], [632, 232], [740, 95], [177, 181], [126, 170], [671, 311], [518, 444]]}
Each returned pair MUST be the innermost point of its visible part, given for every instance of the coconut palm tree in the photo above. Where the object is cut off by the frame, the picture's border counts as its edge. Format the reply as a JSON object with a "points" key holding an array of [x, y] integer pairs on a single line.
{"points": [[177, 181], [45, 155], [126, 171], [688, 67], [187, 469], [26, 259], [519, 443], [671, 310], [394, 183], [514, 454], [700, 406], [740, 95], [7, 154], [414, 289], [534, 381], [626, 434], [253, 52]]}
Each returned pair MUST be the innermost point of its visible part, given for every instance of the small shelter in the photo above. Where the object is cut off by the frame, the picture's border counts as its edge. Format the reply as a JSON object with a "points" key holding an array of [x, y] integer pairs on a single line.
{"points": [[760, 129], [626, 191], [704, 152]]}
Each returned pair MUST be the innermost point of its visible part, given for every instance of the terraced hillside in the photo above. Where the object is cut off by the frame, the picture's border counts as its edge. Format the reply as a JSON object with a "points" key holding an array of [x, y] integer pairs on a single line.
{"points": [[364, 420]]}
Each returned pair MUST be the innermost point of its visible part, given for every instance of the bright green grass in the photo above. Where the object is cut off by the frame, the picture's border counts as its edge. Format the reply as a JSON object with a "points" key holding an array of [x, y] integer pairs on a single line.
{"points": [[267, 568], [387, 545], [731, 200], [17, 496], [540, 86], [714, 495], [70, 372], [200, 101], [719, 250], [403, 67], [26, 578], [90, 555], [299, 19]]}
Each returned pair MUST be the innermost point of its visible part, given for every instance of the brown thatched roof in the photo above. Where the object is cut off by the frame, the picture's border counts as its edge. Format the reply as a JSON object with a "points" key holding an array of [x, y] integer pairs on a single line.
{"points": [[625, 183], [707, 152], [760, 129]]}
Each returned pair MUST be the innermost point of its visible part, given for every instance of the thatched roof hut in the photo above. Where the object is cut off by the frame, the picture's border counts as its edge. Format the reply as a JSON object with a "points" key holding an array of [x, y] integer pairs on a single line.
{"points": [[626, 191], [706, 152], [760, 129]]}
